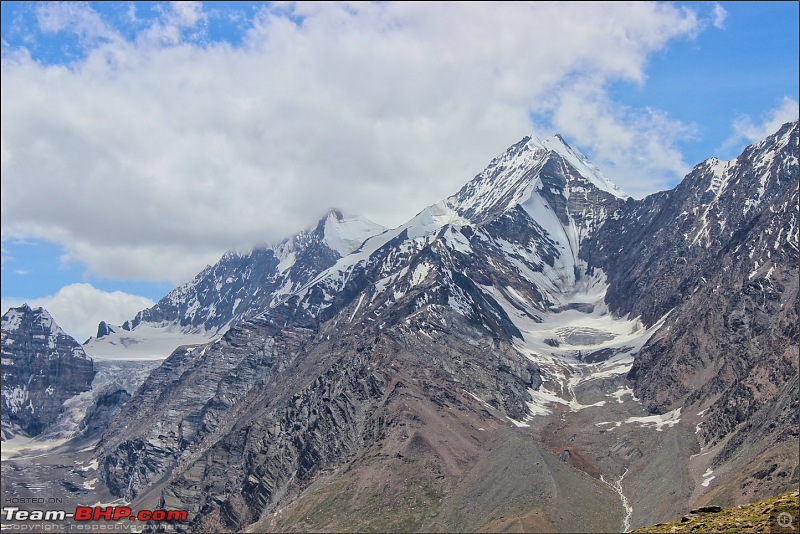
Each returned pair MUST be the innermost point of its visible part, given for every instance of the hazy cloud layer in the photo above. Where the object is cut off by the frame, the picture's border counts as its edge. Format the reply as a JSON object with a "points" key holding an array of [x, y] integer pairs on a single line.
{"points": [[154, 154], [79, 308]]}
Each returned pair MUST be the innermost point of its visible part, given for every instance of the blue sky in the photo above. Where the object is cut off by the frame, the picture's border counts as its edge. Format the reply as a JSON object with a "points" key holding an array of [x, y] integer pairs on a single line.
{"points": [[142, 140], [711, 81]]}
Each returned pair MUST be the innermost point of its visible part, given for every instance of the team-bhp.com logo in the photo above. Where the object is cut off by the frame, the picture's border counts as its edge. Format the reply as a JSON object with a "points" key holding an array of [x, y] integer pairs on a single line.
{"points": [[94, 513]]}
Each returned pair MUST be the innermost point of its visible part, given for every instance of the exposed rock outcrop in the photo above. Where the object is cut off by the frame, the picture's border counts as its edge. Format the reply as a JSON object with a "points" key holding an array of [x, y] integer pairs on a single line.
{"points": [[42, 368]]}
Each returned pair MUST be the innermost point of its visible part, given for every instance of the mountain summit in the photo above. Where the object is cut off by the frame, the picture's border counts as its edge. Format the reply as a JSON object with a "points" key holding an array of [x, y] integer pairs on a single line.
{"points": [[528, 167], [239, 286]]}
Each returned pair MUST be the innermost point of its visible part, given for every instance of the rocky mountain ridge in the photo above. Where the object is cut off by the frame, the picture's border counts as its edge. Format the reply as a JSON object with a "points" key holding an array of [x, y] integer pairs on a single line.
{"points": [[720, 254]]}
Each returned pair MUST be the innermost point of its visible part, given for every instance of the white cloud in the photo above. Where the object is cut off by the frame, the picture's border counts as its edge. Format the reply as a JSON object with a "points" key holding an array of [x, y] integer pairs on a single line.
{"points": [[718, 17], [180, 16], [745, 129], [187, 14], [79, 308], [74, 17], [151, 157], [637, 147]]}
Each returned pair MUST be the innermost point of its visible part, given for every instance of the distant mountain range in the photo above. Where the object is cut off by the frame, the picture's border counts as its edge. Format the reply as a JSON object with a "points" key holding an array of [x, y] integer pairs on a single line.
{"points": [[537, 351]]}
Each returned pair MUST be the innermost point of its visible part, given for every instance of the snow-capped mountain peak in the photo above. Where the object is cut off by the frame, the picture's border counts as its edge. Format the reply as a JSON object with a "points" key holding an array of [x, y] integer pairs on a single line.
{"points": [[512, 177], [544, 187], [239, 286], [587, 169], [559, 191], [346, 234], [16, 318]]}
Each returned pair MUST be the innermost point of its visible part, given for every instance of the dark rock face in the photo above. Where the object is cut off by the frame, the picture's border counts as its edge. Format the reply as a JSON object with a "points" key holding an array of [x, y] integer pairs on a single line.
{"points": [[103, 329], [217, 288], [656, 252], [42, 368], [103, 410], [185, 402]]}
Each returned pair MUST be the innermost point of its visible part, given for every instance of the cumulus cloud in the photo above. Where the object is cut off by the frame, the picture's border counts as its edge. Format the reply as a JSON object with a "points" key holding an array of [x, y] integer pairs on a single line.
{"points": [[177, 18], [152, 155], [79, 308]]}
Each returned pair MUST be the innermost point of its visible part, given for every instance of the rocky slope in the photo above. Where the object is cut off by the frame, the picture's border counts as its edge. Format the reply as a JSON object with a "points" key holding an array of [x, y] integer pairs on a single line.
{"points": [[720, 254], [42, 368]]}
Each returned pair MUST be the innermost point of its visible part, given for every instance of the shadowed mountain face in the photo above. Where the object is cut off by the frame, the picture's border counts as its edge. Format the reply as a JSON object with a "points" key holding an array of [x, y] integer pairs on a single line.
{"points": [[535, 352]]}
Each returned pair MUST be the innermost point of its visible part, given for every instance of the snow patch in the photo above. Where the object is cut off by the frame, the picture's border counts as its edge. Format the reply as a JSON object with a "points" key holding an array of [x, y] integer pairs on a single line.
{"points": [[578, 342], [93, 465], [707, 478], [347, 234], [15, 398], [658, 422], [517, 423], [22, 446], [287, 262], [621, 393], [420, 272], [145, 342]]}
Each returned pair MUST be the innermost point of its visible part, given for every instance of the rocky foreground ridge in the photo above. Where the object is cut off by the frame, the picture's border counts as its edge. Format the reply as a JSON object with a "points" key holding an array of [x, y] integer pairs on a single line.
{"points": [[776, 514]]}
